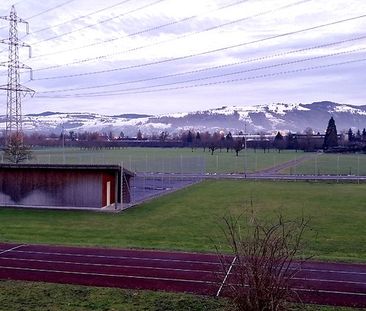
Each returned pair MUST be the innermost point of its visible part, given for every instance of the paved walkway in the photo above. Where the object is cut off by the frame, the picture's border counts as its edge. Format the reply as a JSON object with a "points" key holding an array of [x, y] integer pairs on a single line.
{"points": [[276, 169]]}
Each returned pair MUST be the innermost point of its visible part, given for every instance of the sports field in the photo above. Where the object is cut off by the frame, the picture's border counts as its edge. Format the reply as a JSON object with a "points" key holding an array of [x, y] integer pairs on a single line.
{"points": [[177, 160], [186, 220], [183, 160], [190, 218], [331, 164]]}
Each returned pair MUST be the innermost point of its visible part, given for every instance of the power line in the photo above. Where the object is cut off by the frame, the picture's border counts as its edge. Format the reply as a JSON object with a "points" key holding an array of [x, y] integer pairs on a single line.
{"points": [[100, 22], [176, 22], [211, 67], [180, 21], [45, 11], [208, 51], [51, 9], [83, 16], [205, 78], [216, 82]]}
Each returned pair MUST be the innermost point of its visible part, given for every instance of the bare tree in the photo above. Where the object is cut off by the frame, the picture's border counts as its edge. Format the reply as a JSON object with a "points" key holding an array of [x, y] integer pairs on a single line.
{"points": [[238, 146], [163, 136], [15, 151], [264, 262]]}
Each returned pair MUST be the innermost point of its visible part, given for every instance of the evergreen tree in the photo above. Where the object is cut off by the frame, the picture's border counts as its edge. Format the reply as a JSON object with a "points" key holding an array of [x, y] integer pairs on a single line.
{"points": [[289, 140], [358, 136], [331, 138], [189, 138], [229, 141], [279, 142], [350, 135], [229, 136], [364, 134], [198, 139]]}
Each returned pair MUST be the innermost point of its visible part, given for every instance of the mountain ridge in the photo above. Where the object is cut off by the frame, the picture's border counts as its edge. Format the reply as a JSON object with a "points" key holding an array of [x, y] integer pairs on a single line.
{"points": [[294, 117]]}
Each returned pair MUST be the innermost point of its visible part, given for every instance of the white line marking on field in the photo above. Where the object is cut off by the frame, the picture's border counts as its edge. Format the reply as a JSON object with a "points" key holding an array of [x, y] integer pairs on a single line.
{"points": [[329, 291], [11, 249], [108, 275], [325, 291], [121, 257], [104, 265], [321, 270], [160, 268], [332, 271], [226, 276], [330, 281]]}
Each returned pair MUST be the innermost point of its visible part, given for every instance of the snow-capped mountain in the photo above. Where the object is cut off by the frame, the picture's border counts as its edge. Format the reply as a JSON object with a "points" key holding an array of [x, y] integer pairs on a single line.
{"points": [[273, 117]]}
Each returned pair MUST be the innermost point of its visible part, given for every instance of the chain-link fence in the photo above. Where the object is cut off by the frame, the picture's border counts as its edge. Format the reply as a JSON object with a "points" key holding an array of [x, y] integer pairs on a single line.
{"points": [[185, 162], [160, 171]]}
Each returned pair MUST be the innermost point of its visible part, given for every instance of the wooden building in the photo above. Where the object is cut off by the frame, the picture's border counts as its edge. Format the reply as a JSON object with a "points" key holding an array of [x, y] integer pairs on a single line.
{"points": [[80, 186]]}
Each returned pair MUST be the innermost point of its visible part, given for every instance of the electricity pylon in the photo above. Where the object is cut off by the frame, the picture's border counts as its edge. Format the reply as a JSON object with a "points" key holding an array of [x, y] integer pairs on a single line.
{"points": [[15, 91]]}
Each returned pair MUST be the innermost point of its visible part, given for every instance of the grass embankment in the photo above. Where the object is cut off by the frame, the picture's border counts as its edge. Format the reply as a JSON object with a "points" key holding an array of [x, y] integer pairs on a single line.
{"points": [[29, 296], [189, 219]]}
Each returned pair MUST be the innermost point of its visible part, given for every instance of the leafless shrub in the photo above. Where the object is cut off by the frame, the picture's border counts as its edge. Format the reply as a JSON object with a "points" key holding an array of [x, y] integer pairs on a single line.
{"points": [[264, 262]]}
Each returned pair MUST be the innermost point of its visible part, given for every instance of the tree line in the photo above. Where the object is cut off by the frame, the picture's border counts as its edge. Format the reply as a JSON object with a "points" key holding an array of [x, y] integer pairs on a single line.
{"points": [[218, 141]]}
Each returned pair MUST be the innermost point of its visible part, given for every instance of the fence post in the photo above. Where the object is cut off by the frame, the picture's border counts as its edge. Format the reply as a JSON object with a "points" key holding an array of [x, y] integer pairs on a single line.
{"points": [[358, 168]]}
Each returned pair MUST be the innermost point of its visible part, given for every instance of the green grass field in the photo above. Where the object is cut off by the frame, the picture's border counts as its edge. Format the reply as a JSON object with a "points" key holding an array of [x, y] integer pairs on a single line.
{"points": [[179, 160], [189, 219], [183, 160], [29, 296], [332, 164], [186, 220]]}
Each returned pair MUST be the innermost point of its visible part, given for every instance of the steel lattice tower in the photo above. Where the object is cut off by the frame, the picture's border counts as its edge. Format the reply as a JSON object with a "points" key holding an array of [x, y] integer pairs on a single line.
{"points": [[15, 91]]}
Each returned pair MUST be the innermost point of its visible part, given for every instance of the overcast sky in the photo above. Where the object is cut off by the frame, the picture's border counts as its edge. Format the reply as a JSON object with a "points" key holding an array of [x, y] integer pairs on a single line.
{"points": [[163, 56]]}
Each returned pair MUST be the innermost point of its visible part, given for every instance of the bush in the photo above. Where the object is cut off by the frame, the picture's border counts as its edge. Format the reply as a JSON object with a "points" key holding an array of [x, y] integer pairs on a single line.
{"points": [[264, 262]]}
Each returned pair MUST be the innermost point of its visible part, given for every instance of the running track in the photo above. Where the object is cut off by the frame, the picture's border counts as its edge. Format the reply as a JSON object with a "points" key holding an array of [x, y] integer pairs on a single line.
{"points": [[317, 282]]}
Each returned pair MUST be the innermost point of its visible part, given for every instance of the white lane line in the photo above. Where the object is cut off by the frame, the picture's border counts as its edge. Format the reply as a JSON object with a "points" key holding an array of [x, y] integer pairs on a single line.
{"points": [[332, 271], [328, 271], [167, 279], [161, 268], [225, 278], [330, 281], [329, 291], [121, 257], [172, 260], [324, 291], [108, 275], [104, 265], [11, 249]]}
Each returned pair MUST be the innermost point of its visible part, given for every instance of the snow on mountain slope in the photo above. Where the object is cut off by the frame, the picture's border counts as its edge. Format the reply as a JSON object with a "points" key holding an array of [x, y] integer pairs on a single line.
{"points": [[350, 109], [277, 116]]}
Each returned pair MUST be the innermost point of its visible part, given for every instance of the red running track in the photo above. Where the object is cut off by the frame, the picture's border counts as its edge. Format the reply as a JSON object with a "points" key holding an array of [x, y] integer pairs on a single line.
{"points": [[317, 282]]}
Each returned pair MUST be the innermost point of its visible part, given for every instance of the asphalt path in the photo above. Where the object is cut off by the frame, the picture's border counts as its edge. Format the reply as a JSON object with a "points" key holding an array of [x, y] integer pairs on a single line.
{"points": [[317, 282], [265, 176], [148, 186]]}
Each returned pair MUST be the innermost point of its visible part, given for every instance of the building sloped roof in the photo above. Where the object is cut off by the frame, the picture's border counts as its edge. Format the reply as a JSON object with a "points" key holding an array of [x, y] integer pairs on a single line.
{"points": [[78, 167]]}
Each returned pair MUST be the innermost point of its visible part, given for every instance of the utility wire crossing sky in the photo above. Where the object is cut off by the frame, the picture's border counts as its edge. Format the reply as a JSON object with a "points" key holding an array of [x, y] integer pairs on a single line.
{"points": [[163, 56]]}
